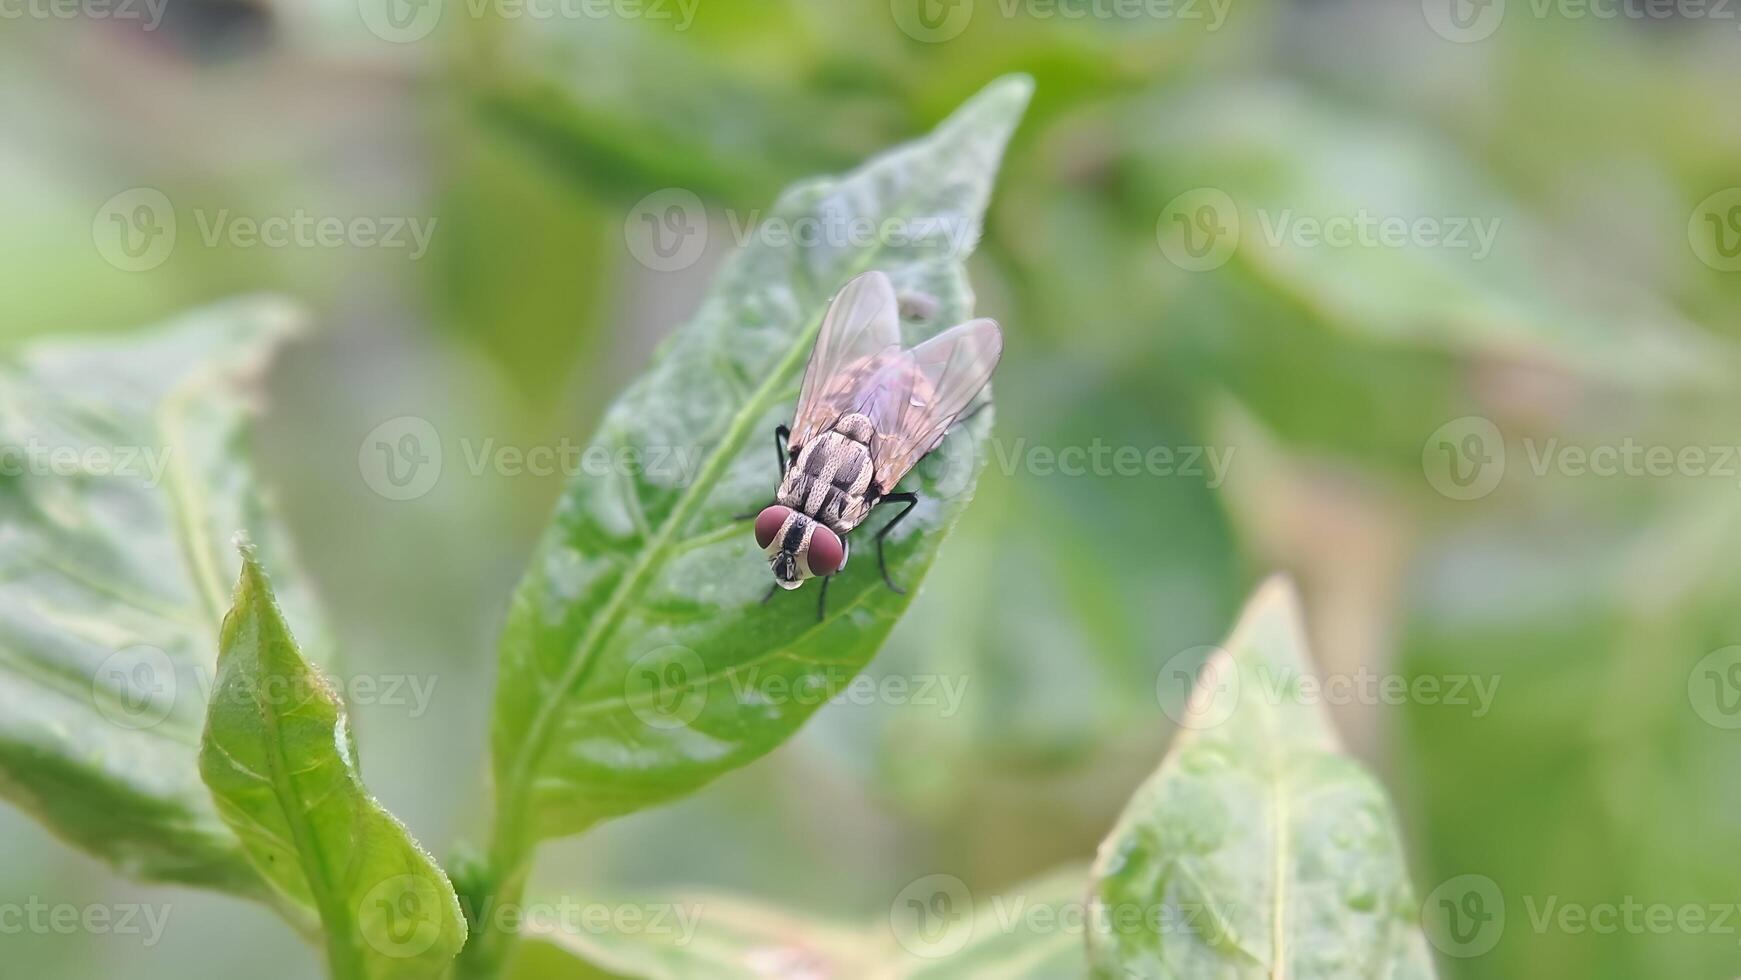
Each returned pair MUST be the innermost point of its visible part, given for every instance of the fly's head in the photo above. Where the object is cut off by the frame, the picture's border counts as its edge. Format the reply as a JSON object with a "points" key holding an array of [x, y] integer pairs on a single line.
{"points": [[797, 547]]}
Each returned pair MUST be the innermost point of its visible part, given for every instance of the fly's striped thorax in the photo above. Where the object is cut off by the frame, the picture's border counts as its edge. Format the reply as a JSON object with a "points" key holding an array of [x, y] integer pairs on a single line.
{"points": [[832, 474]]}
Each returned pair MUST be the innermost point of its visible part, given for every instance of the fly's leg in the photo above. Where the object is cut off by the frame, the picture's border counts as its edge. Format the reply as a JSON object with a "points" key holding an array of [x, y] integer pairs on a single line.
{"points": [[771, 590], [781, 435], [822, 599], [911, 500]]}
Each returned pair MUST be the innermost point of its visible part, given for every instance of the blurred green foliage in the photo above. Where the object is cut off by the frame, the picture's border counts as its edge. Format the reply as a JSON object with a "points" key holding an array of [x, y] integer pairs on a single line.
{"points": [[1326, 371]]}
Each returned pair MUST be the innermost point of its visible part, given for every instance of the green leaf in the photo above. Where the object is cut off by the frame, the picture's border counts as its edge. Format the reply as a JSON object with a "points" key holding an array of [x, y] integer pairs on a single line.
{"points": [[1260, 848], [125, 473], [281, 762], [1032, 931], [639, 660]]}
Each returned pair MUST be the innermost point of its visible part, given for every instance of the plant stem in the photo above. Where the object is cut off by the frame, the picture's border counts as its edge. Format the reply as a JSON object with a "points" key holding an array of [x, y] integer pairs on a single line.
{"points": [[494, 903]]}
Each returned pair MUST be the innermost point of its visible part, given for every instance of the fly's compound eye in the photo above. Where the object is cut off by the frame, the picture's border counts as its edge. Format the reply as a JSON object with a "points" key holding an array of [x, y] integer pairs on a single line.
{"points": [[769, 522], [826, 553]]}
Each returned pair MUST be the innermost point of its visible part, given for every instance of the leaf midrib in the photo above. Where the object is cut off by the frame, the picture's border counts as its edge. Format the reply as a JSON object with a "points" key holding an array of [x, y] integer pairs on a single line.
{"points": [[334, 911], [187, 499]]}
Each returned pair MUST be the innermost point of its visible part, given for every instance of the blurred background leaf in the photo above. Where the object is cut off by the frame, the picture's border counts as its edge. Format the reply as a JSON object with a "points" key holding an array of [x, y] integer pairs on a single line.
{"points": [[1600, 145]]}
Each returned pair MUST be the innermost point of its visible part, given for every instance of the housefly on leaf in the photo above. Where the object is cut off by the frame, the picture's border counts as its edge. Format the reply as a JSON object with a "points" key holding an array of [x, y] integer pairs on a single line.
{"points": [[869, 410]]}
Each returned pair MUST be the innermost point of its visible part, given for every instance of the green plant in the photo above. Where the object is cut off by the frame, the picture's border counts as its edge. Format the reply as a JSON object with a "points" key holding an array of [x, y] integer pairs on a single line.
{"points": [[616, 666]]}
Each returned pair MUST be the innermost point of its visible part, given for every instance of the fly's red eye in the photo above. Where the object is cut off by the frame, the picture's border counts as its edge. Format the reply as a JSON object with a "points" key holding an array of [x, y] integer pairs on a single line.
{"points": [[826, 553], [769, 522]]}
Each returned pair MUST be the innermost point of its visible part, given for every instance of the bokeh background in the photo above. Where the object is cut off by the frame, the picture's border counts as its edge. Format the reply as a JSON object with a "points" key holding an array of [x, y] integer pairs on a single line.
{"points": [[1401, 412]]}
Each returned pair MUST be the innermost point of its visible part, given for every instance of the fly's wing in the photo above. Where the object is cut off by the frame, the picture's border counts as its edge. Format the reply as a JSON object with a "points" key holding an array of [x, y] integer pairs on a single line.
{"points": [[914, 399], [860, 335]]}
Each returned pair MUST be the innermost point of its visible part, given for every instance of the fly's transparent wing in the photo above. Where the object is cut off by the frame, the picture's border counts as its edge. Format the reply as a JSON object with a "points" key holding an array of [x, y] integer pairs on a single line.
{"points": [[860, 335], [914, 399]]}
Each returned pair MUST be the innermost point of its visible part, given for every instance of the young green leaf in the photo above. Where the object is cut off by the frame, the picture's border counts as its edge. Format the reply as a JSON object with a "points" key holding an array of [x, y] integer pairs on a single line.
{"points": [[1266, 851], [281, 762], [639, 660], [123, 473]]}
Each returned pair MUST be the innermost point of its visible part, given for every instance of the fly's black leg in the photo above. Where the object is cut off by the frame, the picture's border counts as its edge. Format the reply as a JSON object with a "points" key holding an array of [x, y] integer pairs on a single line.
{"points": [[781, 434], [911, 500], [822, 599], [781, 437], [771, 590]]}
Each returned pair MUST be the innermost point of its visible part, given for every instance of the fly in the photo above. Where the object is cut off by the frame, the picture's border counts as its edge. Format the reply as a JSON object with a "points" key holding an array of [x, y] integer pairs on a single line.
{"points": [[868, 411]]}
